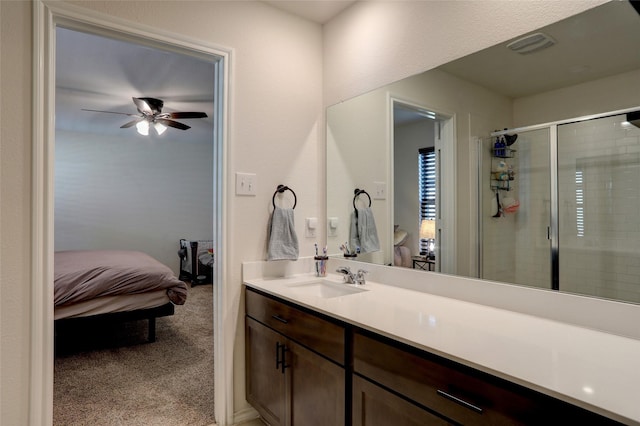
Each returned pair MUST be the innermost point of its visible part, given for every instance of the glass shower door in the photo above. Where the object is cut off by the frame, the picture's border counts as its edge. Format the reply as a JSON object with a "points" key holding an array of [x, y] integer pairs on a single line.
{"points": [[599, 208], [516, 213]]}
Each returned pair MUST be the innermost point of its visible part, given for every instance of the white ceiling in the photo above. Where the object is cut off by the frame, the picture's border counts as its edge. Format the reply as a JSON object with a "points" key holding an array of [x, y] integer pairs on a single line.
{"points": [[95, 72]]}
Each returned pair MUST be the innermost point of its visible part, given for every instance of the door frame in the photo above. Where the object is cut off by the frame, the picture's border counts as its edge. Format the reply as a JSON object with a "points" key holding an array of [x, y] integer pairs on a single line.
{"points": [[445, 149], [46, 16]]}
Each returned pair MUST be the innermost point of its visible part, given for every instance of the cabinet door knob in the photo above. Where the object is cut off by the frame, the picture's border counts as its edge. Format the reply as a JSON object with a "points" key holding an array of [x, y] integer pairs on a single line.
{"points": [[459, 401]]}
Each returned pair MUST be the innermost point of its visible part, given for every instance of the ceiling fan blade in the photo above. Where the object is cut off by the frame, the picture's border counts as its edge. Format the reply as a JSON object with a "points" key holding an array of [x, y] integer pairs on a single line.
{"points": [[172, 123], [111, 112], [148, 105], [187, 114], [144, 106], [131, 123]]}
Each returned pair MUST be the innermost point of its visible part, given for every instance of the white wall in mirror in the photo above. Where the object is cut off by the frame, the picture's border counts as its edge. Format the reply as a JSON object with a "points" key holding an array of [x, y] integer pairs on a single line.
{"points": [[601, 95], [364, 122], [365, 144]]}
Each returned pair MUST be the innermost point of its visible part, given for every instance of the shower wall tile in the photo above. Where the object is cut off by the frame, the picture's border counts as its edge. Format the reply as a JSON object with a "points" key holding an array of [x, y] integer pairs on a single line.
{"points": [[604, 261]]}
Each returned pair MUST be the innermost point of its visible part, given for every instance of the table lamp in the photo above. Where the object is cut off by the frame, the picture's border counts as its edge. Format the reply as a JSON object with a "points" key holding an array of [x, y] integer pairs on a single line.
{"points": [[428, 232]]}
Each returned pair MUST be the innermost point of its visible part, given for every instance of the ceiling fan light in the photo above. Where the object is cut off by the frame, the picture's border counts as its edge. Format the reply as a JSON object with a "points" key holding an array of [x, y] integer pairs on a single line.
{"points": [[160, 128], [143, 127]]}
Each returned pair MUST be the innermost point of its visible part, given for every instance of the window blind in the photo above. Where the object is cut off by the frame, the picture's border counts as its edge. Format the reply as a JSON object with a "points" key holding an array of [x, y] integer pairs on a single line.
{"points": [[426, 187]]}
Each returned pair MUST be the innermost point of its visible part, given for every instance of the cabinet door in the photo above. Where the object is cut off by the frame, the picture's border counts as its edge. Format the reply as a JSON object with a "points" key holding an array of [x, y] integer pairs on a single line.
{"points": [[374, 406], [265, 381], [317, 388]]}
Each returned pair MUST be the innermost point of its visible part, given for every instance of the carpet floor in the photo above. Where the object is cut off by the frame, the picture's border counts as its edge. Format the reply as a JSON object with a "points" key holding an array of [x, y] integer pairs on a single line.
{"points": [[110, 375]]}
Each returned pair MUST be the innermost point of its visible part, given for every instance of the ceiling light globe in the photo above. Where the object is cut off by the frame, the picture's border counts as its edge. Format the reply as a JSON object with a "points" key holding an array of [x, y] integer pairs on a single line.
{"points": [[143, 127], [160, 128]]}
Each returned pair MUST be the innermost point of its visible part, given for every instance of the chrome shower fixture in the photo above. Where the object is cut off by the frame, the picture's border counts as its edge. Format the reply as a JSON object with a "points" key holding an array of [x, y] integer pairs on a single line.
{"points": [[634, 118]]}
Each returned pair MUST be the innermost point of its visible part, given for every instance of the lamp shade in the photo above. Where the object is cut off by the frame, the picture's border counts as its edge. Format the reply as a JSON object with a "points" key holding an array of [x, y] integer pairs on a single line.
{"points": [[427, 229]]}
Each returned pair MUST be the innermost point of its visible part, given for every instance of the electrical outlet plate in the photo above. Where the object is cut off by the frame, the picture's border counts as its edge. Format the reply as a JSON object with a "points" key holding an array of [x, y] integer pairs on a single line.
{"points": [[332, 226], [311, 226], [246, 184]]}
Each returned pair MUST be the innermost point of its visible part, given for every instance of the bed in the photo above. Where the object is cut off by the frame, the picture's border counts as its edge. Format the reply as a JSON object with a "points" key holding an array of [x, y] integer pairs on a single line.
{"points": [[120, 285]]}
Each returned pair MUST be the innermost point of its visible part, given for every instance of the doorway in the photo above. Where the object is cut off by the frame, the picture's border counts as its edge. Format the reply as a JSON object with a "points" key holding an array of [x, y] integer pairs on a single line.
{"points": [[140, 190], [422, 153], [47, 18]]}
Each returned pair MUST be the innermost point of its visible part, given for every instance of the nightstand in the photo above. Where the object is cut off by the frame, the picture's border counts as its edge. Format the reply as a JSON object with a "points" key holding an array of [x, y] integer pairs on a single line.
{"points": [[422, 262]]}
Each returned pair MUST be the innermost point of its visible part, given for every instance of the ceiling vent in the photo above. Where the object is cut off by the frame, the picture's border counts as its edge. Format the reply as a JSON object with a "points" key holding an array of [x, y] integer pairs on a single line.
{"points": [[531, 43]]}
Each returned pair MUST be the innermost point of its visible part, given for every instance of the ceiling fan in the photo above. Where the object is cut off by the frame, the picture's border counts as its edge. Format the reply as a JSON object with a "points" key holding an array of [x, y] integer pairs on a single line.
{"points": [[150, 110]]}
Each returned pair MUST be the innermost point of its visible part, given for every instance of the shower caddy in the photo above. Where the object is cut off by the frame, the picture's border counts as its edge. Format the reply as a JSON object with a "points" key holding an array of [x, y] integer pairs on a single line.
{"points": [[502, 173]]}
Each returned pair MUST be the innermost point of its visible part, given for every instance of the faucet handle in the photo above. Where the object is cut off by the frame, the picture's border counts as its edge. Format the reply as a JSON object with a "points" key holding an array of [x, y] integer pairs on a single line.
{"points": [[344, 270], [360, 276]]}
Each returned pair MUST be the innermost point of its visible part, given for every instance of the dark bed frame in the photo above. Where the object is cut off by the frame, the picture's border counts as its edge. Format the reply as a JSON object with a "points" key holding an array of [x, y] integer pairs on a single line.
{"points": [[141, 314]]}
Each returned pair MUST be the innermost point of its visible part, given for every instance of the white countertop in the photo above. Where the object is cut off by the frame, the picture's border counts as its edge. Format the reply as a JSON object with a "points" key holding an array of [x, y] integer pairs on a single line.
{"points": [[592, 369]]}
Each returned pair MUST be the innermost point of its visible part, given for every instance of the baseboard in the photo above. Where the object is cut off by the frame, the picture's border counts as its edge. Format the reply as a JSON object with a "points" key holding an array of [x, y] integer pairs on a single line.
{"points": [[245, 415]]}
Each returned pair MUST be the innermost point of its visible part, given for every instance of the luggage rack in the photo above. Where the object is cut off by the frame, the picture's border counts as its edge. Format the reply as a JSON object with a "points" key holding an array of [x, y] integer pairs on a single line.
{"points": [[199, 268]]}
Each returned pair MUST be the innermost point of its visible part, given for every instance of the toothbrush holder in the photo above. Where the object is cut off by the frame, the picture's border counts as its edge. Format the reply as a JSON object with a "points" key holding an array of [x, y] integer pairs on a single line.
{"points": [[321, 265]]}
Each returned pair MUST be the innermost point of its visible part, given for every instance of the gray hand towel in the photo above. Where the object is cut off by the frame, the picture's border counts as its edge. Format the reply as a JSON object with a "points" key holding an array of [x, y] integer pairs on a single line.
{"points": [[282, 240], [363, 231], [354, 239]]}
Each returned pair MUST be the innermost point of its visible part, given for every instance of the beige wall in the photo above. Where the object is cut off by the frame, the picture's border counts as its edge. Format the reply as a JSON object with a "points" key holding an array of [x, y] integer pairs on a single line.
{"points": [[276, 119], [275, 130], [15, 174]]}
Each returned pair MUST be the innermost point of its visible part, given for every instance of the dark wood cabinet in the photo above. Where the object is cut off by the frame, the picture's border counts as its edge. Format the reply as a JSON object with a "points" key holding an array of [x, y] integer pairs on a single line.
{"points": [[266, 384], [287, 382], [306, 369], [375, 406], [456, 392]]}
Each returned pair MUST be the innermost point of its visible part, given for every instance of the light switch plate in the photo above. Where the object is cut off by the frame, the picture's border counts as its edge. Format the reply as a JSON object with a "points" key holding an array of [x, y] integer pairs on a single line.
{"points": [[246, 184], [380, 191]]}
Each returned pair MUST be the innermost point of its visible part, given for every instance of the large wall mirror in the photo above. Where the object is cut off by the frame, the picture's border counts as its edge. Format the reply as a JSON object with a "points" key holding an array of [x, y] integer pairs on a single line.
{"points": [[424, 150]]}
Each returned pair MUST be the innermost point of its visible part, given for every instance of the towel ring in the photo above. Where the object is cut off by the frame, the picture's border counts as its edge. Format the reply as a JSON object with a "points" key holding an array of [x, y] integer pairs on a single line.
{"points": [[281, 189], [358, 192]]}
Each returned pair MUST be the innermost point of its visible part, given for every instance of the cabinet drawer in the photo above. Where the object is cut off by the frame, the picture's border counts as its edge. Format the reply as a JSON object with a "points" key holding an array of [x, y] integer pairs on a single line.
{"points": [[314, 332], [458, 392]]}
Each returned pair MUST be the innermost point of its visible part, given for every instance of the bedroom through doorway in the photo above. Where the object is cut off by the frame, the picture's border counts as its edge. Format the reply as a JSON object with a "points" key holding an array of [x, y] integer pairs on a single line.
{"points": [[135, 171]]}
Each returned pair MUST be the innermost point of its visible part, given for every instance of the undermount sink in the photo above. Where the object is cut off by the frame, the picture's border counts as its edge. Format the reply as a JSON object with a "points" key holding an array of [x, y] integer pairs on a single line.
{"points": [[326, 289]]}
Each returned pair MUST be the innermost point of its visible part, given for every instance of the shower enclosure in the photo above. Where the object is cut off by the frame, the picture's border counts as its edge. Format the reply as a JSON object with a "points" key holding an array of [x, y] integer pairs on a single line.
{"points": [[560, 206]]}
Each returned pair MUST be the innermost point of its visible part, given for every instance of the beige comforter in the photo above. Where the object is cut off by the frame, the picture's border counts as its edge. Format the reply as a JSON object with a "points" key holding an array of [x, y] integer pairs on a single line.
{"points": [[89, 274]]}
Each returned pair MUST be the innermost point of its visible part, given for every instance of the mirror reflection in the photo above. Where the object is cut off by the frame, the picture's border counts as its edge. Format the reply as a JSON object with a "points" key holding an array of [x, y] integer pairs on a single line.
{"points": [[425, 149]]}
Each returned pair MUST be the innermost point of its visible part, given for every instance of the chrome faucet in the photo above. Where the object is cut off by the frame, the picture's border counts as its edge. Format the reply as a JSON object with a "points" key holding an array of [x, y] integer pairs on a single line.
{"points": [[348, 276]]}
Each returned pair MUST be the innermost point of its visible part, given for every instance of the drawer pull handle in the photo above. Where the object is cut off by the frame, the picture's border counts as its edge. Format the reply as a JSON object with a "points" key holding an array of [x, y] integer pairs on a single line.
{"points": [[278, 355], [279, 318], [460, 401]]}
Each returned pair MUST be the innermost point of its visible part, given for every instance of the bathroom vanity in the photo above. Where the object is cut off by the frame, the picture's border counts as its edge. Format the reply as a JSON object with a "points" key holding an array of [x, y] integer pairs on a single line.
{"points": [[319, 352]]}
